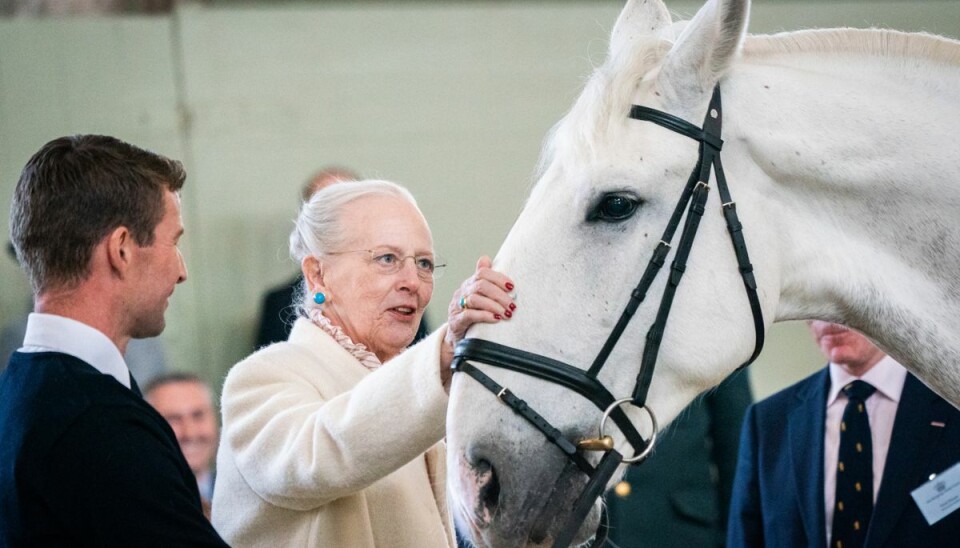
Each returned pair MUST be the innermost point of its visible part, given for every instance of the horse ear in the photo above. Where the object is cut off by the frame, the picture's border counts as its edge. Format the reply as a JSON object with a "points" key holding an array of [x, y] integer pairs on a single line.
{"points": [[704, 51], [638, 18]]}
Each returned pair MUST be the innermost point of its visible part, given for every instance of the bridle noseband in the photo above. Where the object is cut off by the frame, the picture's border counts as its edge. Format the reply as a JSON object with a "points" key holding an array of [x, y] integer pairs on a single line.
{"points": [[585, 383]]}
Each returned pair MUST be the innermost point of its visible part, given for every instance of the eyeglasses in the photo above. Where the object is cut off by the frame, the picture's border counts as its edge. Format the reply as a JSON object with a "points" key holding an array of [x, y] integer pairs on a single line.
{"points": [[387, 261]]}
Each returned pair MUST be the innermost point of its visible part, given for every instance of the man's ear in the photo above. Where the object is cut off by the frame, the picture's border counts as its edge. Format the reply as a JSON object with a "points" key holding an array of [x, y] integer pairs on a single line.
{"points": [[312, 270], [119, 247]]}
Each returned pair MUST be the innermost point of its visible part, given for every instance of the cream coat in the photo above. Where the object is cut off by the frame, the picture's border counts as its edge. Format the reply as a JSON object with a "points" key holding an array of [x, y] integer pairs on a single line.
{"points": [[318, 451]]}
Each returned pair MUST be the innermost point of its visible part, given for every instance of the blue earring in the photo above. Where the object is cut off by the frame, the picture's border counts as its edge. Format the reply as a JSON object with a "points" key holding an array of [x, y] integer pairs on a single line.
{"points": [[319, 297]]}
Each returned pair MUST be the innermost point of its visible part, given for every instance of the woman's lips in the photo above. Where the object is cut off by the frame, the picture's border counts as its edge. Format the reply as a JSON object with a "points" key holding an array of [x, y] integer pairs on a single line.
{"points": [[404, 312]]}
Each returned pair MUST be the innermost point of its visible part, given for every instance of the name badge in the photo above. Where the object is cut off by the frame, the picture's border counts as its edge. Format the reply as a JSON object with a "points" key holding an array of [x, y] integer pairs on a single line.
{"points": [[940, 496]]}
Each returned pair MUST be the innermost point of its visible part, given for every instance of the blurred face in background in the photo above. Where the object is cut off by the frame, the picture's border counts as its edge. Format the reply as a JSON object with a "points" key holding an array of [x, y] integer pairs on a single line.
{"points": [[845, 347], [188, 407]]}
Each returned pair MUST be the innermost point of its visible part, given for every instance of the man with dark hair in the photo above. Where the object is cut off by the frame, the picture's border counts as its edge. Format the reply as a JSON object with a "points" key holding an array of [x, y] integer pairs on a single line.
{"points": [[84, 459], [146, 358]]}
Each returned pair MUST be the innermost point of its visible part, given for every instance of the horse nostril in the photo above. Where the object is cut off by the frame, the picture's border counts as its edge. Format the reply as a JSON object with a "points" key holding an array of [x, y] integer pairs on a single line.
{"points": [[488, 486]]}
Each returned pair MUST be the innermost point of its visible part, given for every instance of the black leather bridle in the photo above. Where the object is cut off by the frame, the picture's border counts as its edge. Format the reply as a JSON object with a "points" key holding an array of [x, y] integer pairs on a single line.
{"points": [[585, 383]]}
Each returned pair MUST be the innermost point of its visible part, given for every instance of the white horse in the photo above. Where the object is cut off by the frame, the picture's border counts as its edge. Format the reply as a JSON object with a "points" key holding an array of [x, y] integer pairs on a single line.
{"points": [[841, 151]]}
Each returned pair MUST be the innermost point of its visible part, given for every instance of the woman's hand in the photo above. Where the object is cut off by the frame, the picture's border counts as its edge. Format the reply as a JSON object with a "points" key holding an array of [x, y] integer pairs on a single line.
{"points": [[483, 297]]}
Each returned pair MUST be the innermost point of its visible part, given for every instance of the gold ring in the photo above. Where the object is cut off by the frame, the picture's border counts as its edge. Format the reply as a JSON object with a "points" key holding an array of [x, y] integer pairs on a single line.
{"points": [[463, 303]]}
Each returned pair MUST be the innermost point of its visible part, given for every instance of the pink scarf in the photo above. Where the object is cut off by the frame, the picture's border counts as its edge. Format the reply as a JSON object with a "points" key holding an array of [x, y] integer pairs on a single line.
{"points": [[359, 351]]}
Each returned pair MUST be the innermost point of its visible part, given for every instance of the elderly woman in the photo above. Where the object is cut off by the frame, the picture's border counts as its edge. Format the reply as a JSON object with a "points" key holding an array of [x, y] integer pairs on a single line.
{"points": [[333, 438]]}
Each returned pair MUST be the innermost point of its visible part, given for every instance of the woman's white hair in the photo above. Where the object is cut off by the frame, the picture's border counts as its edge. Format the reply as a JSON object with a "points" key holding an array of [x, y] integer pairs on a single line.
{"points": [[318, 231]]}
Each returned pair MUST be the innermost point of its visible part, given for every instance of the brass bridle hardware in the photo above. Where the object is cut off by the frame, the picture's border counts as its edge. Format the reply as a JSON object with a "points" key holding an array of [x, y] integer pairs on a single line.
{"points": [[596, 444]]}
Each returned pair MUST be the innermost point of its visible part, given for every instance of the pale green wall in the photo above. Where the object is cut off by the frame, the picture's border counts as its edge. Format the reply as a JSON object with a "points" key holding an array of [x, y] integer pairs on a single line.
{"points": [[452, 100]]}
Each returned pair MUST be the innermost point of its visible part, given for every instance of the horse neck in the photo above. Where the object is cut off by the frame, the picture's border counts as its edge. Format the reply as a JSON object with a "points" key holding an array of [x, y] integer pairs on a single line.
{"points": [[856, 169]]}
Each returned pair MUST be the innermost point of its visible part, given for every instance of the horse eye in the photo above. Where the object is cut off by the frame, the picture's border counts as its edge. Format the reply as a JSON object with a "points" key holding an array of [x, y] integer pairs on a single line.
{"points": [[614, 207]]}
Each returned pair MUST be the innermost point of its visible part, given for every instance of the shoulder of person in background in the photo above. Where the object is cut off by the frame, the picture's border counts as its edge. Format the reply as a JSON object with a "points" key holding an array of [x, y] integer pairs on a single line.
{"points": [[679, 496], [278, 311]]}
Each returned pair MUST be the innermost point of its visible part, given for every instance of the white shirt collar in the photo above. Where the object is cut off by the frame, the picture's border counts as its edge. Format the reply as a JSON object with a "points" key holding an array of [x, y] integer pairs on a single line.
{"points": [[887, 376], [49, 332]]}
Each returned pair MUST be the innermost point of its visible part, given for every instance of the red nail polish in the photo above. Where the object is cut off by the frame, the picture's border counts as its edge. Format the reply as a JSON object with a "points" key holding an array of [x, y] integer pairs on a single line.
{"points": [[507, 313], [513, 306], [509, 286], [496, 317]]}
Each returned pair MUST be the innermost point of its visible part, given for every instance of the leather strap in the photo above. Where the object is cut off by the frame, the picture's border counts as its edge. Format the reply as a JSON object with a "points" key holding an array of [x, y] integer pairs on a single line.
{"points": [[677, 125], [483, 351], [710, 146], [655, 334], [595, 486], [649, 274]]}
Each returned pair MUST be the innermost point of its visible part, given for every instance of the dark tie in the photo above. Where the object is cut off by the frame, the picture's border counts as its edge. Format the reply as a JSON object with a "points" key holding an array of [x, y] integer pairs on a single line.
{"points": [[854, 498]]}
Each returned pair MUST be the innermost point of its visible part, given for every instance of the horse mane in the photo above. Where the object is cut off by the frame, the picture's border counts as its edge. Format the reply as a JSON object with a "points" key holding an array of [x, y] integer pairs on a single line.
{"points": [[606, 91], [876, 42], [611, 86]]}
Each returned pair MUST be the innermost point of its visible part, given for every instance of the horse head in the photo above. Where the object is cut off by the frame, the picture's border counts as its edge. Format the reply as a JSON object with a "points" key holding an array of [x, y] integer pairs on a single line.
{"points": [[608, 185]]}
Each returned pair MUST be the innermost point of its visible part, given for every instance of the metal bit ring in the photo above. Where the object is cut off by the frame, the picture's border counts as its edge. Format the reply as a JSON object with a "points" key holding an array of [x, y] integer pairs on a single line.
{"points": [[653, 437]]}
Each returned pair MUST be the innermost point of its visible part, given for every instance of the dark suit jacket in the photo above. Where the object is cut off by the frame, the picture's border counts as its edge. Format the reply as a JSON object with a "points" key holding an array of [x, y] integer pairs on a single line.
{"points": [[87, 462], [277, 313], [680, 495], [778, 492]]}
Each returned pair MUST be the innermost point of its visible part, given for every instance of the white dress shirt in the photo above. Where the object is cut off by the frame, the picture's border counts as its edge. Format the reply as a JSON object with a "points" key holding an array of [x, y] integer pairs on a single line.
{"points": [[887, 376], [52, 333]]}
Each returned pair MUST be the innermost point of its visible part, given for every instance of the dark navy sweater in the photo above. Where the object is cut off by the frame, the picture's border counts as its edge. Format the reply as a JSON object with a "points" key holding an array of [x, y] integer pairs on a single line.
{"points": [[85, 461]]}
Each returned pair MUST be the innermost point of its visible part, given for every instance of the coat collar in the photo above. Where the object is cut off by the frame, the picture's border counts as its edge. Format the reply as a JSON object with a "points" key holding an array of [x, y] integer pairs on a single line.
{"points": [[913, 440], [805, 432]]}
